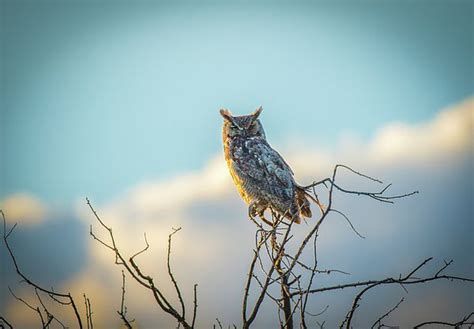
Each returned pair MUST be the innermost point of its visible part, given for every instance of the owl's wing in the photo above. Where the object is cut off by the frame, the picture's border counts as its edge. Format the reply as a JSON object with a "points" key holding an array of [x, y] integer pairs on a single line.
{"points": [[266, 168], [284, 164]]}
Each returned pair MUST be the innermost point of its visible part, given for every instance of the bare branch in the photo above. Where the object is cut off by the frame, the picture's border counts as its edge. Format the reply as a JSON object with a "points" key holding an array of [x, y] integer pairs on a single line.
{"points": [[147, 245], [49, 315], [360, 174], [378, 322], [123, 309], [284, 263], [349, 222], [195, 305], [219, 323], [379, 196], [407, 279], [145, 280], [170, 273], [310, 283], [87, 303], [464, 321], [446, 264], [35, 309], [67, 296], [4, 322], [280, 265], [248, 321]]}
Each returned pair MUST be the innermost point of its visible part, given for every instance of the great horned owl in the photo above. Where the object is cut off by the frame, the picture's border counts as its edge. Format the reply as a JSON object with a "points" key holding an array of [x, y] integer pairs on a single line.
{"points": [[262, 176]]}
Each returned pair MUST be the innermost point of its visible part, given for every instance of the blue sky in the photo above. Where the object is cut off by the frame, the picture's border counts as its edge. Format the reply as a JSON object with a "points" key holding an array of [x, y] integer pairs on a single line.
{"points": [[119, 101], [100, 96]]}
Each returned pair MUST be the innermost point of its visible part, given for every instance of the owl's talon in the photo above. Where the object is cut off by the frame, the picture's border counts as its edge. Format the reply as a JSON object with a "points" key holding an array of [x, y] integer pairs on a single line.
{"points": [[255, 210], [266, 221], [262, 217], [252, 210]]}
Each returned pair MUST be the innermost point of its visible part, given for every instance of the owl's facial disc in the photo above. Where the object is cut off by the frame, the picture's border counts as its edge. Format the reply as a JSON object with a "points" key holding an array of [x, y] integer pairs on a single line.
{"points": [[245, 125]]}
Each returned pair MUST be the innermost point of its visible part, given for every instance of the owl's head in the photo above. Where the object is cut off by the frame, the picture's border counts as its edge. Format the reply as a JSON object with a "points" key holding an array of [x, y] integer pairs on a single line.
{"points": [[242, 126]]}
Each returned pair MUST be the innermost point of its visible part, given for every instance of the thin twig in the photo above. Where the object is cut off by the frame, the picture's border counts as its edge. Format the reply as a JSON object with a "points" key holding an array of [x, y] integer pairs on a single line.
{"points": [[123, 309], [349, 222], [407, 279], [67, 296], [378, 322], [134, 270], [195, 300], [5, 322], [459, 324], [170, 273]]}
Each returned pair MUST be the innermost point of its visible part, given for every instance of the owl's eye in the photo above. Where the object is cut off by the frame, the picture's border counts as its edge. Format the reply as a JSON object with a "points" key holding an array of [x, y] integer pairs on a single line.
{"points": [[253, 127], [233, 126]]}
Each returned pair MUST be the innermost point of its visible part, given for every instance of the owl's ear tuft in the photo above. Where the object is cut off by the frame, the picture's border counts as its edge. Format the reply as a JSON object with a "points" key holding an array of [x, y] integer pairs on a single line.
{"points": [[226, 114], [257, 112]]}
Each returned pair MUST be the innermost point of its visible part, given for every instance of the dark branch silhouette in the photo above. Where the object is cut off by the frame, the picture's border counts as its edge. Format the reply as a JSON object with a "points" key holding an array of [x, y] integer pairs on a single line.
{"points": [[123, 309], [4, 323], [287, 269], [62, 298], [87, 304], [464, 321], [276, 272], [378, 322], [145, 280]]}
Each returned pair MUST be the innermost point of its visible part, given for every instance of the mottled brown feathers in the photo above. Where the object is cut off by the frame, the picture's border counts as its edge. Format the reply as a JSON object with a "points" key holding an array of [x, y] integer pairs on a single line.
{"points": [[262, 177]]}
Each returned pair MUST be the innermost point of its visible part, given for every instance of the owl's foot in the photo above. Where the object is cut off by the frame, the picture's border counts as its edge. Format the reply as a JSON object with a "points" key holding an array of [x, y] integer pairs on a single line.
{"points": [[266, 221], [257, 209], [252, 210]]}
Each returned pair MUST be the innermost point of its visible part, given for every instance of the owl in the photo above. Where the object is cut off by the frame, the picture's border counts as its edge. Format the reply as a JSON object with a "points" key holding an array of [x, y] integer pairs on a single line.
{"points": [[262, 177]]}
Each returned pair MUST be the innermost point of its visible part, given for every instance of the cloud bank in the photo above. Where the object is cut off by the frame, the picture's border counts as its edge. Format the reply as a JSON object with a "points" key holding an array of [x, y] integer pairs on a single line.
{"points": [[216, 242], [24, 208]]}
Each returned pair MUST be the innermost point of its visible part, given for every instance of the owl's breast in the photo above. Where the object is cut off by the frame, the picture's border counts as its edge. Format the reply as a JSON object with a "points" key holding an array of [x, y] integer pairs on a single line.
{"points": [[238, 161]]}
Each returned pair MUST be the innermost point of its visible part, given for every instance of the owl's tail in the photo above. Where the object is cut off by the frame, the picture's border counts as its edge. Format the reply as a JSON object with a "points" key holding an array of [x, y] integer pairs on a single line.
{"points": [[302, 201]]}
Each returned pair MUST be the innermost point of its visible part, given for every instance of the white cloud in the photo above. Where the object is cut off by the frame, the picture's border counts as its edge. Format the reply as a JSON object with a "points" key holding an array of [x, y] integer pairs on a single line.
{"points": [[216, 241], [24, 209], [449, 134], [156, 207]]}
